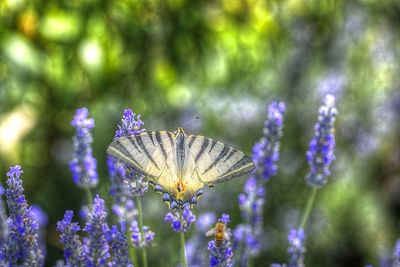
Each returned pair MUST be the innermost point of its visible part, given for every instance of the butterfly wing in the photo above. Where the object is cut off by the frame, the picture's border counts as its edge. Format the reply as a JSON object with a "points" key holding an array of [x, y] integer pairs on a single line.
{"points": [[217, 162], [147, 152]]}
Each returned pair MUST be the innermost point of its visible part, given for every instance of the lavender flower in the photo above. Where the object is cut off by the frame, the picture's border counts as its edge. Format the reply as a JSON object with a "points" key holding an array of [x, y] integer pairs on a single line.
{"points": [[125, 182], [137, 239], [130, 125], [277, 265], [73, 250], [119, 248], [322, 145], [3, 219], [83, 164], [266, 151], [248, 236], [220, 248], [296, 248], [396, 254], [178, 223], [96, 247], [21, 247]]}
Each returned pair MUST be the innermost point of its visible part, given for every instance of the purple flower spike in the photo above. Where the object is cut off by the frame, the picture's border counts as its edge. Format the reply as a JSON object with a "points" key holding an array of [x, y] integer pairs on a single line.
{"points": [[251, 201], [96, 247], [266, 151], [177, 224], [83, 165], [137, 239], [220, 247], [119, 248], [129, 125], [21, 246], [296, 248], [126, 183], [73, 250], [322, 145]]}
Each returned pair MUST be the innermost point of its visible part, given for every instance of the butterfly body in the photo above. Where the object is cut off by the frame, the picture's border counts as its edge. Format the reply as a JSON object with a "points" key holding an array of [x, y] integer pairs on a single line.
{"points": [[180, 165]]}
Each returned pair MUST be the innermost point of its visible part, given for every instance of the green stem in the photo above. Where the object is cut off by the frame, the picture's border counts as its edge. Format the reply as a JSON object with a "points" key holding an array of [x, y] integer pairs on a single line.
{"points": [[308, 208], [132, 249], [140, 215], [89, 197], [183, 250]]}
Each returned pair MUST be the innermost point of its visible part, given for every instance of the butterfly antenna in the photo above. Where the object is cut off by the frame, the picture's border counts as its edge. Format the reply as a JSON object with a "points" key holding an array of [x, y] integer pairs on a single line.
{"points": [[191, 121]]}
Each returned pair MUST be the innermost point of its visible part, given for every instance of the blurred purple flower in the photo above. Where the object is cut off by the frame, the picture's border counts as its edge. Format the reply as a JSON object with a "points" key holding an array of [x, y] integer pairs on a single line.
{"points": [[21, 246], [96, 247], [41, 217], [221, 252], [266, 151], [296, 250], [321, 152], [73, 250], [119, 248], [137, 239], [179, 224], [83, 165], [251, 201]]}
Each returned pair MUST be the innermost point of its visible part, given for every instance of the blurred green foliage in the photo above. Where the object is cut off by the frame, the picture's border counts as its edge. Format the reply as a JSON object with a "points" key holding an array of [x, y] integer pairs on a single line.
{"points": [[221, 61]]}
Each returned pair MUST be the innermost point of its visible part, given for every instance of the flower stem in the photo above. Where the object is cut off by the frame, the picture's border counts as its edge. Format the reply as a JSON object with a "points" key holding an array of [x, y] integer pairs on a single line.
{"points": [[140, 219], [89, 197], [308, 208], [183, 250], [132, 249]]}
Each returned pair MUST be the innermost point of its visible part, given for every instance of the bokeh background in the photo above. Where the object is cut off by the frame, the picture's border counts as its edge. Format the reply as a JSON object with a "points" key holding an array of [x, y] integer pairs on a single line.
{"points": [[222, 61]]}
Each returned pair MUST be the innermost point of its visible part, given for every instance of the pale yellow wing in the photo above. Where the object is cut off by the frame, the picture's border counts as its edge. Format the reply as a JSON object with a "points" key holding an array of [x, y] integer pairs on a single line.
{"points": [[147, 152], [216, 162]]}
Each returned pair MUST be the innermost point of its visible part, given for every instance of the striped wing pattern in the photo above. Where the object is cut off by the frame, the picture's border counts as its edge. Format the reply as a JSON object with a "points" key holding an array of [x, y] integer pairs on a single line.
{"points": [[217, 162], [148, 152]]}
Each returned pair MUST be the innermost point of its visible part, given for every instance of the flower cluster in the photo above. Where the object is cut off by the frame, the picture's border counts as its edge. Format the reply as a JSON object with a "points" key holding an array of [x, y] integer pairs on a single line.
{"points": [[251, 201], [83, 165], [96, 247], [125, 182], [73, 249], [321, 152], [129, 125], [118, 248], [180, 221], [296, 248], [102, 246], [137, 239], [220, 247], [266, 151], [21, 246]]}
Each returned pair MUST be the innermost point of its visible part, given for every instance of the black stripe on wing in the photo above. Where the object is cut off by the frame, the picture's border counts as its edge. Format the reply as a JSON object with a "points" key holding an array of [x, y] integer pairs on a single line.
{"points": [[204, 145], [145, 150], [160, 143], [221, 155], [243, 166]]}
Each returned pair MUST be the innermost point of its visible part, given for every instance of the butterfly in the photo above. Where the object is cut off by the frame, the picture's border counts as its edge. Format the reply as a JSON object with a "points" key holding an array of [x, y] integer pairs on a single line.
{"points": [[180, 165]]}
